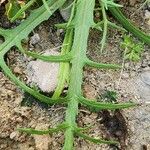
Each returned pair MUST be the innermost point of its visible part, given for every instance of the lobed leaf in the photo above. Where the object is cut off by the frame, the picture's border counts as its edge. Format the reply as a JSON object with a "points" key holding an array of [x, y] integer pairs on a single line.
{"points": [[97, 106], [60, 127], [95, 140], [101, 65], [51, 58]]}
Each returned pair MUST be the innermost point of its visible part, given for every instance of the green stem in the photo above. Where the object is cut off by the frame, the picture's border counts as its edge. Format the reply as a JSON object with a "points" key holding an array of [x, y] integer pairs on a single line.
{"points": [[63, 75], [60, 127], [46, 6], [95, 140], [97, 106], [83, 22], [129, 26], [4, 33], [91, 63], [51, 58], [105, 21]]}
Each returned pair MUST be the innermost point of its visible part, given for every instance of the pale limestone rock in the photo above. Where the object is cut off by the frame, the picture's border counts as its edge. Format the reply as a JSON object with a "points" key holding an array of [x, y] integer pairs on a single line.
{"points": [[44, 74]]}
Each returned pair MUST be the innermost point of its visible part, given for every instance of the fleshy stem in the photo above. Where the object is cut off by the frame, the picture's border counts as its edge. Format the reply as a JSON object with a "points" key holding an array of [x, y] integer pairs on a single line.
{"points": [[63, 75], [83, 22], [129, 26], [105, 24]]}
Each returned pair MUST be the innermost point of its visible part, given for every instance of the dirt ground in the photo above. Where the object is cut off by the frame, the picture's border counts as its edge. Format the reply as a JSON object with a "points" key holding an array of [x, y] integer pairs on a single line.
{"points": [[131, 127]]}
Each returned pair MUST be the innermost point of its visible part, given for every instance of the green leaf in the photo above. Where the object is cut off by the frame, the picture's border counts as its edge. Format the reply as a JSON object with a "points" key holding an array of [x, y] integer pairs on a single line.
{"points": [[111, 96], [101, 65], [110, 3], [94, 140], [12, 8], [132, 50], [46, 6], [51, 58], [116, 12], [21, 11], [97, 106], [60, 127]]}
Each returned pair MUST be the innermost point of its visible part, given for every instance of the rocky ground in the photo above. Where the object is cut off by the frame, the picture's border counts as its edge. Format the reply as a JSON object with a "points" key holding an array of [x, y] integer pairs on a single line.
{"points": [[130, 126]]}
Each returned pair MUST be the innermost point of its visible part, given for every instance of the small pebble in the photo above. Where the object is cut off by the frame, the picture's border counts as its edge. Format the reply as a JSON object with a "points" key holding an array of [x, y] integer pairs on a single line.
{"points": [[125, 75], [145, 77], [17, 70], [13, 135], [34, 39], [147, 14]]}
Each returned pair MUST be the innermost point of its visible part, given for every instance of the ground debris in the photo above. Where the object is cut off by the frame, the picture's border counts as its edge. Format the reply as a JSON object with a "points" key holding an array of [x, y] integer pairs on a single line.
{"points": [[42, 142]]}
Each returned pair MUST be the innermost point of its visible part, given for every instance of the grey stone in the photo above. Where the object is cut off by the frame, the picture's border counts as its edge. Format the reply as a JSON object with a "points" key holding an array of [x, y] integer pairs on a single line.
{"points": [[34, 39], [44, 74]]}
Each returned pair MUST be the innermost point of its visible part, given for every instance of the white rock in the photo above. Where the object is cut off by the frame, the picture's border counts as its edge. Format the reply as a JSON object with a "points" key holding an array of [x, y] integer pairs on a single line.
{"points": [[13, 135], [147, 14], [44, 74], [34, 39]]}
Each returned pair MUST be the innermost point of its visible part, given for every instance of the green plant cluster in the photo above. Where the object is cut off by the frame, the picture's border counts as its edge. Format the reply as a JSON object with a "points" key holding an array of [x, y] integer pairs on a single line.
{"points": [[132, 50], [72, 60]]}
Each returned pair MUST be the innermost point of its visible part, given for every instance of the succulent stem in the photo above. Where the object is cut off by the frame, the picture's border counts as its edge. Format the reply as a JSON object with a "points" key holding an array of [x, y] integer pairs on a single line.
{"points": [[83, 22], [129, 26]]}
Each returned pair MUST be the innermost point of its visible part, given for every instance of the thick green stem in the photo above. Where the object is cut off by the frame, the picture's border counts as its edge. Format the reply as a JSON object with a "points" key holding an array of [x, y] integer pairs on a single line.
{"points": [[83, 22], [105, 28], [64, 69], [51, 58]]}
